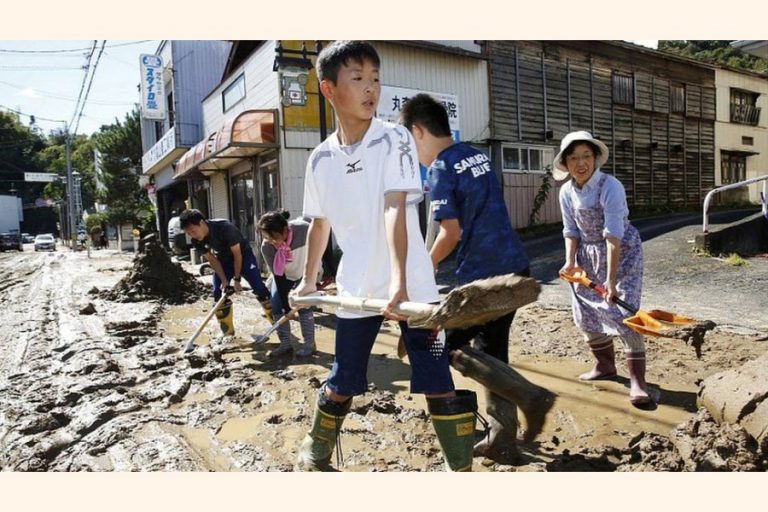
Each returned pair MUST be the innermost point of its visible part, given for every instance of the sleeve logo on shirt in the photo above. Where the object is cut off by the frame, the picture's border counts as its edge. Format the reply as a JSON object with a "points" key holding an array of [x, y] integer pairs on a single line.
{"points": [[437, 203], [405, 152]]}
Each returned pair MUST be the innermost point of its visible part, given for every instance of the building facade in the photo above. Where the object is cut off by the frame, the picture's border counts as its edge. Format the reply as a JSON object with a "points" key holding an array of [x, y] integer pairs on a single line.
{"points": [[191, 69], [654, 111], [264, 118], [741, 133]]}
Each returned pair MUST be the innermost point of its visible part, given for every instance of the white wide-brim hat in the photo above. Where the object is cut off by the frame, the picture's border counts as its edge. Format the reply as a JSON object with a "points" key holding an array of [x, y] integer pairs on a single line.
{"points": [[559, 170]]}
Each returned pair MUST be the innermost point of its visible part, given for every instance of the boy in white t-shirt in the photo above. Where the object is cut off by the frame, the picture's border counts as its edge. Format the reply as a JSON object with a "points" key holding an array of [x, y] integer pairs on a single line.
{"points": [[364, 182]]}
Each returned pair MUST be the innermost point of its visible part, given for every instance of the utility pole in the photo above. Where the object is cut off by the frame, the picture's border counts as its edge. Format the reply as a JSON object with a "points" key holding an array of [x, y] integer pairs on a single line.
{"points": [[70, 189]]}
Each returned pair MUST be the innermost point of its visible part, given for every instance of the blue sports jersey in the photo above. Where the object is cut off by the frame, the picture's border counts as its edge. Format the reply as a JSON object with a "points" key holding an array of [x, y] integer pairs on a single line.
{"points": [[464, 187]]}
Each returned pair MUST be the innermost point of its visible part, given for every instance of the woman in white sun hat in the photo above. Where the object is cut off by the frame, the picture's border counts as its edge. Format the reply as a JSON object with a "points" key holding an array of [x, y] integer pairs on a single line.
{"points": [[600, 240]]}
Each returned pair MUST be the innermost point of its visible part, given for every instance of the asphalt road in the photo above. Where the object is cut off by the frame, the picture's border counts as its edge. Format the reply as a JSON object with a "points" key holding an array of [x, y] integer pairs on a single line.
{"points": [[675, 277]]}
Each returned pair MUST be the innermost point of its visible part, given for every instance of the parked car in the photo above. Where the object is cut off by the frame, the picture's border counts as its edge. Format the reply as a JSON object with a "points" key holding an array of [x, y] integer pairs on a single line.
{"points": [[45, 242], [10, 241], [27, 238]]}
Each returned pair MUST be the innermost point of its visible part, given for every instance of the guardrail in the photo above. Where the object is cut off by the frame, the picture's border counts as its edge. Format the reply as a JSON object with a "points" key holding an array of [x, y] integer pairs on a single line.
{"points": [[711, 193]]}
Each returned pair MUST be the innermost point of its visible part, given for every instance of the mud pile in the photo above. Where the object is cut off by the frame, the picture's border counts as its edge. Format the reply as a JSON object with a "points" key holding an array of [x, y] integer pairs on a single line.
{"points": [[155, 277], [700, 444], [740, 397]]}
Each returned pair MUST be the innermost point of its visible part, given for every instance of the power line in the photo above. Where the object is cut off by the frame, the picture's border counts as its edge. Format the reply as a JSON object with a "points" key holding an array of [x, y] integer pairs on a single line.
{"points": [[93, 74], [82, 85], [32, 115], [74, 49]]}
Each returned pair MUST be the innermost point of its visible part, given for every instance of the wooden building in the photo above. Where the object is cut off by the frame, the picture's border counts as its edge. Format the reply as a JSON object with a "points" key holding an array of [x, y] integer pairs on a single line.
{"points": [[654, 111]]}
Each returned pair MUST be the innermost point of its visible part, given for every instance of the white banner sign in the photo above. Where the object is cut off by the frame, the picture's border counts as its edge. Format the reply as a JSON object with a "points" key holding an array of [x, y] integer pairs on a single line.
{"points": [[46, 177], [152, 90], [393, 98]]}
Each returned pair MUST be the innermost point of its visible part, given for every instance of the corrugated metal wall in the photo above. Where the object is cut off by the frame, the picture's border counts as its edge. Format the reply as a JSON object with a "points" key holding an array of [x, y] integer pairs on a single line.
{"points": [[201, 63], [519, 193]]}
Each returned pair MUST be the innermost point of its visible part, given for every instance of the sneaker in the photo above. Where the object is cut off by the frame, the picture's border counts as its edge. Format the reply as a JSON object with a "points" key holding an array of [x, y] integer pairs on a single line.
{"points": [[281, 350], [306, 350]]}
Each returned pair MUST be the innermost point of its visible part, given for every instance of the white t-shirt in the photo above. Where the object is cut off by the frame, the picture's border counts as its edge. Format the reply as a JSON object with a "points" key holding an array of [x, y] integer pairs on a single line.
{"points": [[348, 190]]}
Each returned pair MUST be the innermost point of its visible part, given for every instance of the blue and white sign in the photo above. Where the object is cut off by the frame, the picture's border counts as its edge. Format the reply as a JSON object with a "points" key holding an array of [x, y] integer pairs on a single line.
{"points": [[152, 90], [393, 98]]}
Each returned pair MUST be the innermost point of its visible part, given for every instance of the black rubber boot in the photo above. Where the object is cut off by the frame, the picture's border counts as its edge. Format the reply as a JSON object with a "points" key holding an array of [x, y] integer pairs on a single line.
{"points": [[317, 447], [454, 420], [500, 445]]}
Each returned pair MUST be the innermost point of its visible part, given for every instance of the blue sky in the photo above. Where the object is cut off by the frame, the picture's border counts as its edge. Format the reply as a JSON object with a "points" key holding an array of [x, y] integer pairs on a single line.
{"points": [[36, 81]]}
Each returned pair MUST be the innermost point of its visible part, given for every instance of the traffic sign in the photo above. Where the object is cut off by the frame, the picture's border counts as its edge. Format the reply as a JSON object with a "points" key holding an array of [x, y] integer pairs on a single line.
{"points": [[41, 177]]}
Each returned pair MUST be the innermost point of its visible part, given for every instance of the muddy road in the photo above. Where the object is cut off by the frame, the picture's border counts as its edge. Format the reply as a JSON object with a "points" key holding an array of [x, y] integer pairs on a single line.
{"points": [[107, 388]]}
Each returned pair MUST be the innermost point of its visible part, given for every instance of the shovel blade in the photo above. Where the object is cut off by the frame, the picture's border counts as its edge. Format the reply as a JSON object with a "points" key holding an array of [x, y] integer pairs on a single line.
{"points": [[658, 323]]}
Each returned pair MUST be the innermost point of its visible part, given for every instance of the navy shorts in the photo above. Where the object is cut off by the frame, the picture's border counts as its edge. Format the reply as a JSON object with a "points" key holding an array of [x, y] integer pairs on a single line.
{"points": [[430, 366]]}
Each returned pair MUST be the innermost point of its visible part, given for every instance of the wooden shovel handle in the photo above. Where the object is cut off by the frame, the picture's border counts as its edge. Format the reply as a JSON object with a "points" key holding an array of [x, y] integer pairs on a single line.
{"points": [[362, 304]]}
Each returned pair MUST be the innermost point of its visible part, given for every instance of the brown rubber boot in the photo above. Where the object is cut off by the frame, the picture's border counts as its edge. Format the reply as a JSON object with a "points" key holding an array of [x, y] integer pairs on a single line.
{"points": [[501, 443], [501, 379], [638, 389], [605, 367]]}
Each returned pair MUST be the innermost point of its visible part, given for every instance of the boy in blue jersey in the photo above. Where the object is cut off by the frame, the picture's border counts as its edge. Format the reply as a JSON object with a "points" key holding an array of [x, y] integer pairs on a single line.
{"points": [[468, 204]]}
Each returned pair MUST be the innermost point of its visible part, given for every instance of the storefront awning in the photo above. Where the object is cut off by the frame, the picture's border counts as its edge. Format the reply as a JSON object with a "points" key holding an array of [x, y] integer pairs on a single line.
{"points": [[248, 134]]}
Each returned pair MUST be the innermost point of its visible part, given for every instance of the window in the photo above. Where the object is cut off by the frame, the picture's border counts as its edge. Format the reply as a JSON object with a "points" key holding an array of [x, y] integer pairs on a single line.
{"points": [[623, 89], [526, 158], [159, 130], [733, 167], [233, 93], [744, 108], [170, 110], [677, 99], [270, 181], [243, 204], [748, 141]]}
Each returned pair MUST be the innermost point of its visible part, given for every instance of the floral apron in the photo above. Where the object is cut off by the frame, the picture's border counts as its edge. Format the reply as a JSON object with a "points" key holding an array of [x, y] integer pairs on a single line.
{"points": [[591, 312]]}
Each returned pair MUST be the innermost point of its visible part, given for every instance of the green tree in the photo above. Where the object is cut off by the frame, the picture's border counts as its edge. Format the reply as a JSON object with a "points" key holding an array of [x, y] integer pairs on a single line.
{"points": [[120, 146], [715, 52], [18, 147], [54, 158]]}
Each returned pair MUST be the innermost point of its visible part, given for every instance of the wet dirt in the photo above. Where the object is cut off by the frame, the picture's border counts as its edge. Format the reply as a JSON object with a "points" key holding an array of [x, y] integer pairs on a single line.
{"points": [[112, 390], [155, 276]]}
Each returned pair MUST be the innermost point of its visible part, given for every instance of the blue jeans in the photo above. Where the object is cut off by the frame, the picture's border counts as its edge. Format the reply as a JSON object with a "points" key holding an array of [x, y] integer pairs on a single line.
{"points": [[430, 371], [250, 272]]}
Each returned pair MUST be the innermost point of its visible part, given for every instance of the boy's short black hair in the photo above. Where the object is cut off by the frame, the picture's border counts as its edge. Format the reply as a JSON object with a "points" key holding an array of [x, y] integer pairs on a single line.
{"points": [[338, 53], [428, 113], [191, 216]]}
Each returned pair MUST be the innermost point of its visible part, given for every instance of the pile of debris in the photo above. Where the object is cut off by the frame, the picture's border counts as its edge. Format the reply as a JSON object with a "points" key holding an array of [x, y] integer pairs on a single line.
{"points": [[155, 277]]}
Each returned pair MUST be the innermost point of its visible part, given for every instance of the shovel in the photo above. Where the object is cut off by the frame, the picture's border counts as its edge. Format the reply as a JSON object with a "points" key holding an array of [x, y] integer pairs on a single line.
{"points": [[263, 337], [190, 346], [474, 303], [654, 322]]}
